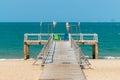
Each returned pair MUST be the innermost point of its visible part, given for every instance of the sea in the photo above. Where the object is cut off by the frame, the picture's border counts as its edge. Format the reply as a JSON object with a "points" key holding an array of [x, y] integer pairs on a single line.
{"points": [[12, 38]]}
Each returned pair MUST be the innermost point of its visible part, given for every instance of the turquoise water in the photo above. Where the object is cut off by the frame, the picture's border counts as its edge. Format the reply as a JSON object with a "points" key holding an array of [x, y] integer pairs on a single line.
{"points": [[12, 37]]}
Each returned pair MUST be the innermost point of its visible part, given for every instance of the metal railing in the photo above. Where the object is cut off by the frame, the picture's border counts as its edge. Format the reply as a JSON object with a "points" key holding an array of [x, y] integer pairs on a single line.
{"points": [[46, 49], [45, 36], [82, 60], [39, 37], [36, 36], [77, 50], [85, 37]]}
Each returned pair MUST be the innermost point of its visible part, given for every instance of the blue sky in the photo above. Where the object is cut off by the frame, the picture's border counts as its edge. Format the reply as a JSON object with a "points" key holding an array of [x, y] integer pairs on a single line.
{"points": [[59, 10]]}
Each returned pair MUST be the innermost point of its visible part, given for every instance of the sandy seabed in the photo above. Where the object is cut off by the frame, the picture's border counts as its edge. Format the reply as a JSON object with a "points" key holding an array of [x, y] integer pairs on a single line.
{"points": [[24, 70]]}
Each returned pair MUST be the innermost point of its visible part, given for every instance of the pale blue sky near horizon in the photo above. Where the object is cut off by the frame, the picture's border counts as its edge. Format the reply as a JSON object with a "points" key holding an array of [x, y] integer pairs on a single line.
{"points": [[59, 10]]}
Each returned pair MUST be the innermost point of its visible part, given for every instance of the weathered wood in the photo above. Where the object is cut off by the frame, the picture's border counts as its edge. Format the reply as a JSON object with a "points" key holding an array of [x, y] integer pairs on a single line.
{"points": [[26, 51], [95, 51], [94, 46], [64, 53], [27, 43], [65, 65], [93, 42], [86, 42], [62, 72], [31, 42]]}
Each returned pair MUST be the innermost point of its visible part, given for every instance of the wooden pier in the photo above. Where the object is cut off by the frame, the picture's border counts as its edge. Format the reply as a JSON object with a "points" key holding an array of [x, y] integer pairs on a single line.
{"points": [[63, 65], [62, 60], [80, 41], [62, 72], [28, 42]]}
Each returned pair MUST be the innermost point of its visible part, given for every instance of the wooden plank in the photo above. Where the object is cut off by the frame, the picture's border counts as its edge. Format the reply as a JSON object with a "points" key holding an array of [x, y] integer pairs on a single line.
{"points": [[64, 66], [62, 72], [32, 42], [86, 42], [94, 45], [64, 53]]}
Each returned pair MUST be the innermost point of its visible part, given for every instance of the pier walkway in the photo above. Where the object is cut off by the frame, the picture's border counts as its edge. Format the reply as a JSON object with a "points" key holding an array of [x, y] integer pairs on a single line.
{"points": [[64, 66], [64, 53], [62, 60]]}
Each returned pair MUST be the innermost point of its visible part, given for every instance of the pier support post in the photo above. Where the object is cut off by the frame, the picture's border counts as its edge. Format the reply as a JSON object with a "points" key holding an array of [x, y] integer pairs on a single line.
{"points": [[70, 39], [26, 51], [95, 51]]}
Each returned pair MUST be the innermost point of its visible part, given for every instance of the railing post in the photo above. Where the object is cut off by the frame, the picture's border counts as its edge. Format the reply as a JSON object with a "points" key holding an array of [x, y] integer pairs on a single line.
{"points": [[96, 37], [52, 36], [70, 39], [39, 37], [26, 47], [25, 37], [79, 55], [43, 59], [81, 37]]}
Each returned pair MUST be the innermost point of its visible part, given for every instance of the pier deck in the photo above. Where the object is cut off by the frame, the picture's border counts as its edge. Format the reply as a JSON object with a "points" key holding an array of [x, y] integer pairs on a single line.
{"points": [[62, 72], [64, 53], [62, 60], [64, 66], [82, 39]]}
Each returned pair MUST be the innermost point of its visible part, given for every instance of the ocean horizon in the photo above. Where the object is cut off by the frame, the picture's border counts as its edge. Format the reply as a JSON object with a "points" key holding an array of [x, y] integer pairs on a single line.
{"points": [[12, 38]]}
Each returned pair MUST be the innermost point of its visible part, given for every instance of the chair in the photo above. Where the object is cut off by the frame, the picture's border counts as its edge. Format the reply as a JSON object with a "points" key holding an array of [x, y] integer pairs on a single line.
{"points": [[66, 36], [56, 37]]}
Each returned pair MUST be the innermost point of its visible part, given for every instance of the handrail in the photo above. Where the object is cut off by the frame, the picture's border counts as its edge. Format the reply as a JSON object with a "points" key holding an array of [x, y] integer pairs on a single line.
{"points": [[46, 49], [81, 37], [76, 49], [26, 36], [82, 60]]}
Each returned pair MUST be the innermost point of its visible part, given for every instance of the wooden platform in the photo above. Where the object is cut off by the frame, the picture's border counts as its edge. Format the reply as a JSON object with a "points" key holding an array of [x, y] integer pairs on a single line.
{"points": [[62, 62], [35, 42], [64, 53], [64, 66], [83, 39], [62, 72]]}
